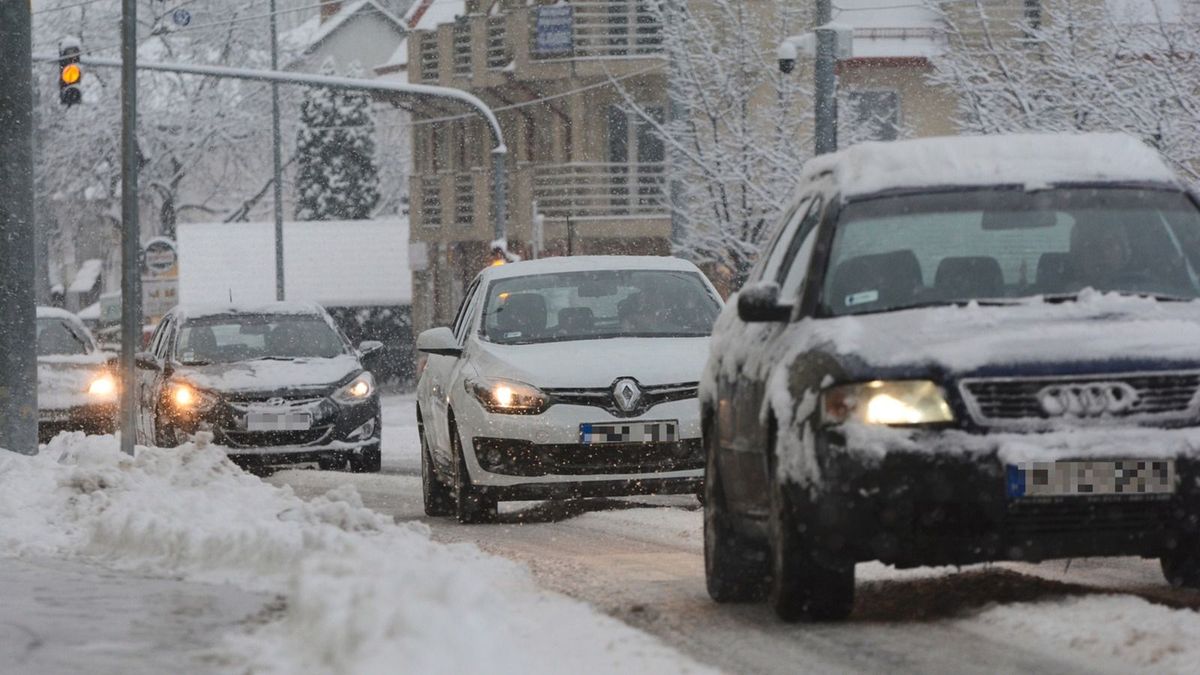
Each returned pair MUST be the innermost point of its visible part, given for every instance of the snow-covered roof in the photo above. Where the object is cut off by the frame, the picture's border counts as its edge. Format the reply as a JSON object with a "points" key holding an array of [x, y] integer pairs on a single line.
{"points": [[1033, 160], [890, 28], [334, 263], [587, 263], [56, 313], [85, 279], [312, 32], [429, 14]]}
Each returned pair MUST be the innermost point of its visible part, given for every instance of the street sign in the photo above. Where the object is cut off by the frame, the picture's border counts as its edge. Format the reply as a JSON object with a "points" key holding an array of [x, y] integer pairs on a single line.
{"points": [[554, 30], [181, 17], [160, 278]]}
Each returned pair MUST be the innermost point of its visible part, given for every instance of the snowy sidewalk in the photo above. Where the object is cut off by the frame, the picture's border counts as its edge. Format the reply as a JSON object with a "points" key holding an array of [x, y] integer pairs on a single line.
{"points": [[58, 616]]}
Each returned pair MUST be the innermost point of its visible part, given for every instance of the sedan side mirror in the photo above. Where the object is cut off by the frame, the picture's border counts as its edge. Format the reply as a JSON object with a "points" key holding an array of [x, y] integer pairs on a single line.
{"points": [[760, 303], [369, 347], [439, 341], [146, 361]]}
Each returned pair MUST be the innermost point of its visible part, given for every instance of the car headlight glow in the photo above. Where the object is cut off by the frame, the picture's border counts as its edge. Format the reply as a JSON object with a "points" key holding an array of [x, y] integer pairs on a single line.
{"points": [[893, 403], [103, 386], [509, 397], [187, 398], [357, 390]]}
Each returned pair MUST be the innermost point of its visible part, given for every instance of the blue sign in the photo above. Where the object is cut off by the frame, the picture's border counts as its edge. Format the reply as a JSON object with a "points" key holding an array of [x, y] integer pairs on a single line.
{"points": [[554, 30], [181, 17]]}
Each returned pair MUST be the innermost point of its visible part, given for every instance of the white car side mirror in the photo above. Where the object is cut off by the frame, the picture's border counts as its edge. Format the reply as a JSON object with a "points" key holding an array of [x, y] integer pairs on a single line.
{"points": [[439, 341]]}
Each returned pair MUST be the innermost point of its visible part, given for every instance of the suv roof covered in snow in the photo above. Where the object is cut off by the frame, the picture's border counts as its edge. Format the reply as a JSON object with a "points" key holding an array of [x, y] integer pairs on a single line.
{"points": [[1031, 160]]}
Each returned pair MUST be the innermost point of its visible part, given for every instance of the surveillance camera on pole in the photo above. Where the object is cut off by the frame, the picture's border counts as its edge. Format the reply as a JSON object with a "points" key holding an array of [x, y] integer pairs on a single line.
{"points": [[827, 45], [70, 73]]}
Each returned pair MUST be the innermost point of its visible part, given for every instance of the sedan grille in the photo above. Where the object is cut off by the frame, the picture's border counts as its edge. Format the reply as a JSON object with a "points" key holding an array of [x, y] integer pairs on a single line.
{"points": [[1046, 401], [603, 397]]}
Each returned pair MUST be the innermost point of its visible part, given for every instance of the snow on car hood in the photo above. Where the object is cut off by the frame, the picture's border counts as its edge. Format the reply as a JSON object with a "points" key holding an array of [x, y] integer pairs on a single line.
{"points": [[1094, 328], [596, 363], [262, 375], [63, 380]]}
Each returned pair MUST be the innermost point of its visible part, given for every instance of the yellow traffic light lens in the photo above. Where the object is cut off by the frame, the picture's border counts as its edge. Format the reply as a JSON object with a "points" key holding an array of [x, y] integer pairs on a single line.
{"points": [[71, 73]]}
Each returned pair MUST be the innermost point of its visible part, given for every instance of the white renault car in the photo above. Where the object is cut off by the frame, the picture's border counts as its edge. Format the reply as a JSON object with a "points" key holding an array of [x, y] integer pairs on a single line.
{"points": [[566, 377]]}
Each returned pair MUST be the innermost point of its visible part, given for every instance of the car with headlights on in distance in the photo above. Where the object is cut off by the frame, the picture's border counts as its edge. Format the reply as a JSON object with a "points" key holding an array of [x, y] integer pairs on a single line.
{"points": [[565, 377], [77, 385], [958, 350], [275, 384]]}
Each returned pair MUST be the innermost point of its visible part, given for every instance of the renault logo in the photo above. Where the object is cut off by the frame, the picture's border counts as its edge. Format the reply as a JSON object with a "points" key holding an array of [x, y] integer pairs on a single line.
{"points": [[276, 401], [627, 394], [1094, 399]]}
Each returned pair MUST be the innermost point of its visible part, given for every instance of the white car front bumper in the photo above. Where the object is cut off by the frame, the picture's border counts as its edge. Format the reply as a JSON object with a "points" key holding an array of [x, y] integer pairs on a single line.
{"points": [[556, 433]]}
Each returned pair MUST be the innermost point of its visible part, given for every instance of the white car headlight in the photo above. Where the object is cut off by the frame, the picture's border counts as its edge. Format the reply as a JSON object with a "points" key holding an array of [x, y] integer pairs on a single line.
{"points": [[508, 396], [357, 390], [902, 402], [103, 387]]}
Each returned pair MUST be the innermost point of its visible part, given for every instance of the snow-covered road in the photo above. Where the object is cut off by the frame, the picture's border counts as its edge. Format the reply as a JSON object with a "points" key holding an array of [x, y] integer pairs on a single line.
{"points": [[640, 560]]}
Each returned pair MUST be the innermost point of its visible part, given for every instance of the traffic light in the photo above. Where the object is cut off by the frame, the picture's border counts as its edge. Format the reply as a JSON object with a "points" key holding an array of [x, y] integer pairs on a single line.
{"points": [[69, 73]]}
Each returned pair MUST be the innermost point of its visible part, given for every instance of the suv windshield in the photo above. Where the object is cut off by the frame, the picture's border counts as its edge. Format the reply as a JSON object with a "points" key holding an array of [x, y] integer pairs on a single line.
{"points": [[245, 337], [56, 337], [903, 251], [599, 304]]}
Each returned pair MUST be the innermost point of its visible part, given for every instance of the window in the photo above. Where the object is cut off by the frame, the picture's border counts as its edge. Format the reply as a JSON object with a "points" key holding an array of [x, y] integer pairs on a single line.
{"points": [[769, 266], [460, 317], [632, 138], [231, 338], [1033, 14], [994, 245], [873, 115], [794, 266], [599, 304]]}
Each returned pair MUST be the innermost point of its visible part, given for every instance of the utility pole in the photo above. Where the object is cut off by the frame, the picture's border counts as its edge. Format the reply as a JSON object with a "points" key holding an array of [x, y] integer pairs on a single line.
{"points": [[131, 273], [18, 317], [277, 157], [825, 85]]}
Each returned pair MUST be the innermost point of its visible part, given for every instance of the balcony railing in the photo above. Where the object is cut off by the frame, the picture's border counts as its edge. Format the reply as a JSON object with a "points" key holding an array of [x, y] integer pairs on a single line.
{"points": [[464, 199], [595, 191], [462, 49], [431, 201], [602, 29], [428, 51], [498, 53]]}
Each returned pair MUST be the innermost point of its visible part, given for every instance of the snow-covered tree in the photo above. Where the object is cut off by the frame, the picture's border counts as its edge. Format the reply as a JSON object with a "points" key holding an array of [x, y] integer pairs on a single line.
{"points": [[741, 130], [335, 149], [1077, 65]]}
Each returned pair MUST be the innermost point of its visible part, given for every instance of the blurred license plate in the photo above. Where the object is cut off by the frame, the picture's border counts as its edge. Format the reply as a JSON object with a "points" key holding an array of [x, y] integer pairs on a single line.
{"points": [[1064, 479], [278, 421], [633, 432]]}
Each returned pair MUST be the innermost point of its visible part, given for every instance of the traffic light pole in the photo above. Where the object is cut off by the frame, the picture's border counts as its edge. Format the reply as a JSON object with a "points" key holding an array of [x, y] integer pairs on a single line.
{"points": [[18, 332], [277, 158], [131, 245]]}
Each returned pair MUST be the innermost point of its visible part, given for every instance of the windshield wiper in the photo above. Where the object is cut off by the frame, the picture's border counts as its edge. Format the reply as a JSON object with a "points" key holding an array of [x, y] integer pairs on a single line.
{"points": [[1161, 297], [195, 363], [276, 358]]}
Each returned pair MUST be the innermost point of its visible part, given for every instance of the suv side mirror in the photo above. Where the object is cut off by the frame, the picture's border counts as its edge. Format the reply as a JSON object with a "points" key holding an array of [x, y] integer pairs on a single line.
{"points": [[146, 361], [369, 347], [439, 341], [760, 303]]}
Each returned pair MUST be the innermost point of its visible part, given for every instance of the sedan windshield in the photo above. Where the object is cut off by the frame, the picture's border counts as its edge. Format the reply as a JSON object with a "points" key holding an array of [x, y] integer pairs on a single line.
{"points": [[598, 304], [999, 245], [56, 337], [244, 337]]}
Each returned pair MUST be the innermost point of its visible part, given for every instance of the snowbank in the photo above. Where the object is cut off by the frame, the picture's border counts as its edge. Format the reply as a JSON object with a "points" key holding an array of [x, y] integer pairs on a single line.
{"points": [[363, 594]]}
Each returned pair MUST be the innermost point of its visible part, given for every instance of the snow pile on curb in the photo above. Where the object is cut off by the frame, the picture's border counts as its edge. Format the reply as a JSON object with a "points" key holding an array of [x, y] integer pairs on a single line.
{"points": [[363, 594]]}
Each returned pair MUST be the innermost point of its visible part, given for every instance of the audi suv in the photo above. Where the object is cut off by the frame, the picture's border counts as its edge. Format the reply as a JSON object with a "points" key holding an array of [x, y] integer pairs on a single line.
{"points": [[958, 350]]}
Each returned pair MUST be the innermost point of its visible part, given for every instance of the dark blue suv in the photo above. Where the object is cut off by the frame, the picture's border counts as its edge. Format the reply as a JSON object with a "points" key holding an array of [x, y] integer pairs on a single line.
{"points": [[958, 350]]}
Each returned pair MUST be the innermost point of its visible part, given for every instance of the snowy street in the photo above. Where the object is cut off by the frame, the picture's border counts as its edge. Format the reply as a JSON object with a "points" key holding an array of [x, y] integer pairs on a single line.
{"points": [[641, 561]]}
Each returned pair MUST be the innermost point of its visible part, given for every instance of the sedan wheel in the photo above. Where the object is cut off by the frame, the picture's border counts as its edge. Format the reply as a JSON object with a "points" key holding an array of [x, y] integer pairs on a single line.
{"points": [[439, 500], [470, 505]]}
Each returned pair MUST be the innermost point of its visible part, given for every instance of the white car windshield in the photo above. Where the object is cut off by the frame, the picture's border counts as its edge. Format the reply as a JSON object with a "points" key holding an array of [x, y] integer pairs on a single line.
{"points": [[1000, 245], [598, 304], [245, 337]]}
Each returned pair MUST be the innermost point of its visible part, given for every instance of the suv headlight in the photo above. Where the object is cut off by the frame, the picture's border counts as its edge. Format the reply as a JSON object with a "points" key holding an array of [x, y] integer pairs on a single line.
{"points": [[188, 399], [357, 390], [103, 387], [903, 402], [507, 396]]}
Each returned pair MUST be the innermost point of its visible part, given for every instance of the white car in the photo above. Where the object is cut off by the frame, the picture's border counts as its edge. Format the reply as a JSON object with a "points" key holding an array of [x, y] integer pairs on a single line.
{"points": [[566, 377]]}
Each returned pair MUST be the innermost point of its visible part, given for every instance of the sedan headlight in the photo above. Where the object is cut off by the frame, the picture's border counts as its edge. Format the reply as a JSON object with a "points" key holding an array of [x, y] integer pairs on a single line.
{"points": [[508, 396], [903, 402], [188, 399], [357, 390], [103, 387]]}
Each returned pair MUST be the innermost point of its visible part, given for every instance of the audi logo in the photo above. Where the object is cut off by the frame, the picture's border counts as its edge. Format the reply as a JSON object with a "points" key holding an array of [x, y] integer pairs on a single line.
{"points": [[1095, 399]]}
